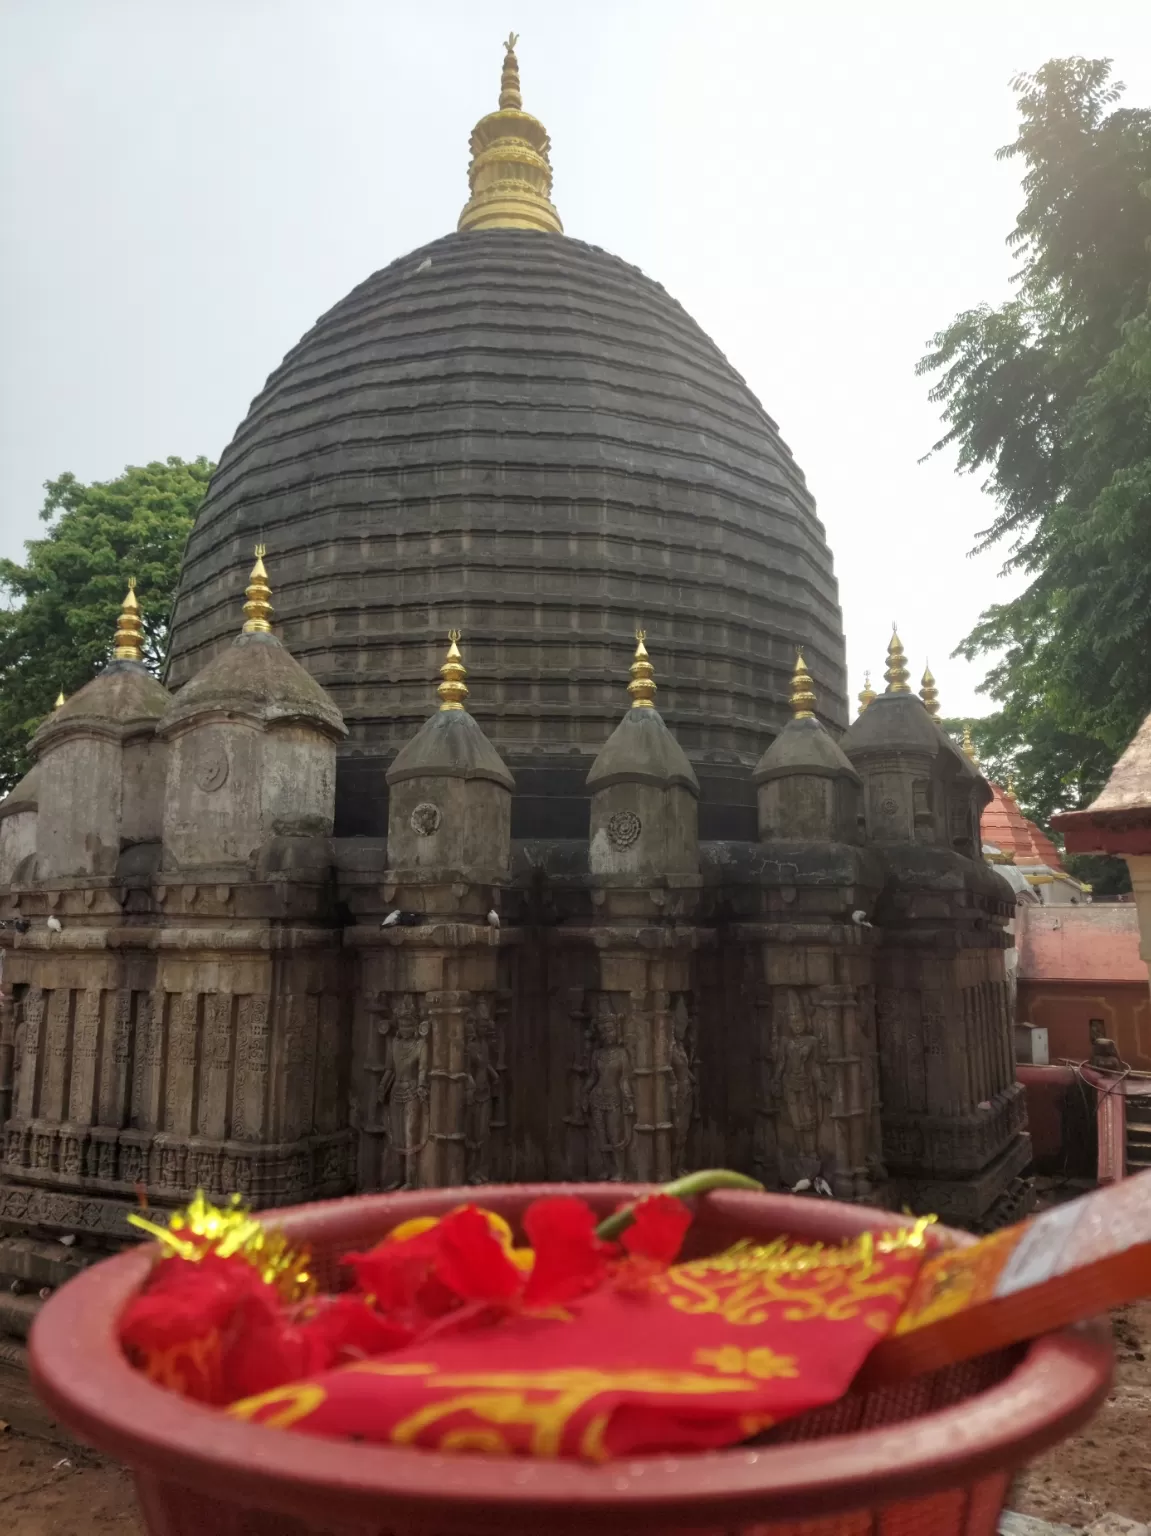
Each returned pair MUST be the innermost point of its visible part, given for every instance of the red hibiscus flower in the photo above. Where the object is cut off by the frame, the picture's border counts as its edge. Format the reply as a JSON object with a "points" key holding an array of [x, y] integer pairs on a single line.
{"points": [[569, 1259], [652, 1241]]}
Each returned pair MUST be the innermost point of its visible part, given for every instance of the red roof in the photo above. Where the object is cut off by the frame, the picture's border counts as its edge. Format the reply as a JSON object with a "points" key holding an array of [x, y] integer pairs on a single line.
{"points": [[1097, 943], [1005, 827]]}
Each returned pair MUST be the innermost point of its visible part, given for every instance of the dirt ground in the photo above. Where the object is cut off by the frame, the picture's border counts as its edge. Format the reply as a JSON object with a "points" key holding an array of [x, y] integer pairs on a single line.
{"points": [[47, 1490]]}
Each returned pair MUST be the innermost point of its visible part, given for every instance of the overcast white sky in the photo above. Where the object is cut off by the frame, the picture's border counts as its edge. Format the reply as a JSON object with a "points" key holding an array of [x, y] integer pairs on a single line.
{"points": [[187, 184]]}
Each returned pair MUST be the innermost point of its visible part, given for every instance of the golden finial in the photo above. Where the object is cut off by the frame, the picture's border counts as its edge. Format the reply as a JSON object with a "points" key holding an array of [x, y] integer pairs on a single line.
{"points": [[1011, 784], [866, 693], [802, 693], [642, 685], [60, 699], [929, 693], [510, 174], [969, 745], [128, 643], [258, 608], [897, 674], [453, 690], [510, 76]]}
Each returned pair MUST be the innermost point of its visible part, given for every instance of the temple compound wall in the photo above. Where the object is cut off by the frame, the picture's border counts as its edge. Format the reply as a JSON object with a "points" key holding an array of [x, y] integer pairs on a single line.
{"points": [[204, 989]]}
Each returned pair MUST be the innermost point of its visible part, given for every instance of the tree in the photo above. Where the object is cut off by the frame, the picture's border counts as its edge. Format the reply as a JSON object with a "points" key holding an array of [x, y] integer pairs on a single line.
{"points": [[1050, 396], [56, 632]]}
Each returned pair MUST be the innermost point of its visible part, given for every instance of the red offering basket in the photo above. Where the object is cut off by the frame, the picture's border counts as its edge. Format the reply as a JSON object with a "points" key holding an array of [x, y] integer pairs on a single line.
{"points": [[931, 1456]]}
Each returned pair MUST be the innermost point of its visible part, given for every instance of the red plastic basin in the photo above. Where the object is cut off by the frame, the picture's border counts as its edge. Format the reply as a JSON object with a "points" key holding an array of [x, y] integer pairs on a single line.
{"points": [[931, 1456]]}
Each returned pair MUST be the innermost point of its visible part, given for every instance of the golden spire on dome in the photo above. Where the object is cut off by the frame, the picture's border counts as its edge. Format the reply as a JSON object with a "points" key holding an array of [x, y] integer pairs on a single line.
{"points": [[929, 693], [897, 674], [510, 174], [453, 690], [1011, 785], [258, 608], [642, 685], [969, 745], [866, 694], [802, 693], [60, 699], [128, 642]]}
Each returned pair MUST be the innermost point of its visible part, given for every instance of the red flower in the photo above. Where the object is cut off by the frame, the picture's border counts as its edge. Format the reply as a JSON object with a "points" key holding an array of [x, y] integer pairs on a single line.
{"points": [[569, 1259], [346, 1328], [471, 1261], [657, 1230], [398, 1275]]}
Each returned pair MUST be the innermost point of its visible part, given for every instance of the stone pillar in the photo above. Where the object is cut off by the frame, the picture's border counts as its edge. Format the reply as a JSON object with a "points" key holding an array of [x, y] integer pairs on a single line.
{"points": [[643, 859], [425, 1071]]}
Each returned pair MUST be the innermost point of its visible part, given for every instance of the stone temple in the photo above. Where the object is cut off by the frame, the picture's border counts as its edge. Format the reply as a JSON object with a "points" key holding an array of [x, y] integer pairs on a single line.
{"points": [[288, 923]]}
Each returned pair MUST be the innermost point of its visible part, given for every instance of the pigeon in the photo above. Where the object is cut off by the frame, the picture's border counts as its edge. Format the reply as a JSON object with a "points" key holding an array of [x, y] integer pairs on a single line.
{"points": [[55, 925], [822, 1187], [403, 919], [860, 919], [493, 918], [798, 1189]]}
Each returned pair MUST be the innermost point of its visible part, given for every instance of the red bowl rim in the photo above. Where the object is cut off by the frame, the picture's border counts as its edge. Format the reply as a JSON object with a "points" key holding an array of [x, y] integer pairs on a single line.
{"points": [[80, 1372]]}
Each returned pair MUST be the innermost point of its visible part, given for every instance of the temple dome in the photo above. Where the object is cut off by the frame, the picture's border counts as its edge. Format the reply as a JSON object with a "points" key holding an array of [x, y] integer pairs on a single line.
{"points": [[515, 434]]}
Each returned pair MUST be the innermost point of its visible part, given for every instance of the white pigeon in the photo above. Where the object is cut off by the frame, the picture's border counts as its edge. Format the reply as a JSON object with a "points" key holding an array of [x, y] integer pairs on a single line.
{"points": [[860, 919], [822, 1187], [391, 920], [493, 918], [798, 1189], [55, 925]]}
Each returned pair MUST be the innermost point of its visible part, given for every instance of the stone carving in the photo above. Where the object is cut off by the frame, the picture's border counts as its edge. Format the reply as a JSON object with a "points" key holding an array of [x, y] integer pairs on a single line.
{"points": [[403, 1093], [797, 1085], [211, 770], [683, 1082], [609, 1094], [425, 818], [623, 827], [483, 1083]]}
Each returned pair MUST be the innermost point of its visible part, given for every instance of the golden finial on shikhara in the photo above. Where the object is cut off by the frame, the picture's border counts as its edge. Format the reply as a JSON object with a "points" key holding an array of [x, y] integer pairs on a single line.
{"points": [[802, 693], [969, 745], [897, 674], [866, 694], [128, 643], [258, 608], [1011, 784], [510, 174], [60, 699], [453, 690], [929, 693], [642, 685]]}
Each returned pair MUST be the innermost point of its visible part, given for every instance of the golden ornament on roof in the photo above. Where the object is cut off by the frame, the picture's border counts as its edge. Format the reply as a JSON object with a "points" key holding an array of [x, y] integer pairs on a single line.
{"points": [[258, 608], [866, 694], [897, 674], [929, 693], [510, 174], [128, 642], [802, 693], [642, 685], [453, 690]]}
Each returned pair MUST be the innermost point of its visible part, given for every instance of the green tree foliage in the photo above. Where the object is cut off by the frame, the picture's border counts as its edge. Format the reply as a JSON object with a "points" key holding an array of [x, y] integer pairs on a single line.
{"points": [[57, 627], [1049, 396]]}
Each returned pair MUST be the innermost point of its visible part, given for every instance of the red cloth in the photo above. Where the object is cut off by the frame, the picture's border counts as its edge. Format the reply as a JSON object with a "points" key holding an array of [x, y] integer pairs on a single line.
{"points": [[702, 1355]]}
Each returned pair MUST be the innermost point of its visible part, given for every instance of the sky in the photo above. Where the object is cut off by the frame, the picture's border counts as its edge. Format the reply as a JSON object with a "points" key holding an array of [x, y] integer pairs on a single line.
{"points": [[187, 185]]}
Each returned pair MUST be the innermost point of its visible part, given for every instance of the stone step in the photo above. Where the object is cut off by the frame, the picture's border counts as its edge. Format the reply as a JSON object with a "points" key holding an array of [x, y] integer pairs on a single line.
{"points": [[17, 1313]]}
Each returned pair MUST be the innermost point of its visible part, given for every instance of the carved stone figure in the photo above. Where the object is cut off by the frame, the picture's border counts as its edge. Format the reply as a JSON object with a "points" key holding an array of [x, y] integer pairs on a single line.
{"points": [[609, 1095], [483, 1082], [403, 1092], [683, 1083], [797, 1079]]}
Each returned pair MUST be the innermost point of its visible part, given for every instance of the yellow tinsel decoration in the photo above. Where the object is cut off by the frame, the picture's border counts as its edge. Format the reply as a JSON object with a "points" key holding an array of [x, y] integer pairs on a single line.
{"points": [[230, 1232]]}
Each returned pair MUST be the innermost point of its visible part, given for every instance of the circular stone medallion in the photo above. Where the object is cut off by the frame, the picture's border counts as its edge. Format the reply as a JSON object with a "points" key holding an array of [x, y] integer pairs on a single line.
{"points": [[889, 806], [426, 818], [623, 827], [211, 770]]}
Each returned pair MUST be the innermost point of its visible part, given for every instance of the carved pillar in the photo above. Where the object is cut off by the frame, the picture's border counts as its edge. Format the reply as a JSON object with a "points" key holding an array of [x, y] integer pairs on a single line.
{"points": [[57, 1055], [115, 1093], [250, 1087], [444, 1157], [82, 1096], [180, 1077], [26, 1098], [216, 1066], [149, 1063]]}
